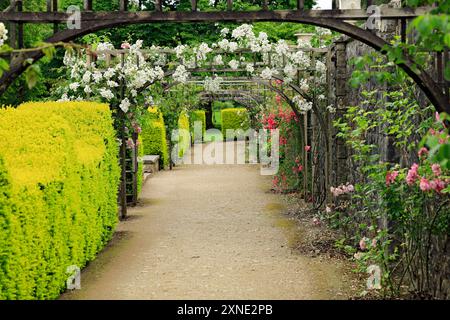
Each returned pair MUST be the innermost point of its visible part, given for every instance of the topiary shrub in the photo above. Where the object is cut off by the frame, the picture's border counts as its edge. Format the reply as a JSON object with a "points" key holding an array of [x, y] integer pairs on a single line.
{"points": [[184, 138], [217, 108], [236, 118], [154, 136], [195, 116], [59, 178], [140, 173]]}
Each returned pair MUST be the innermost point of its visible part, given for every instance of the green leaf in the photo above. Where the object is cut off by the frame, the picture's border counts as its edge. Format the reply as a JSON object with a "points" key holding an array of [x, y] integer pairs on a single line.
{"points": [[32, 75]]}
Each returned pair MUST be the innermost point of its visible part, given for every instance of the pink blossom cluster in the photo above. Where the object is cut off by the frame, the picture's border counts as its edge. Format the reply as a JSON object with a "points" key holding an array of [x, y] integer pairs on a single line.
{"points": [[390, 177], [425, 184], [364, 243], [342, 189], [297, 168]]}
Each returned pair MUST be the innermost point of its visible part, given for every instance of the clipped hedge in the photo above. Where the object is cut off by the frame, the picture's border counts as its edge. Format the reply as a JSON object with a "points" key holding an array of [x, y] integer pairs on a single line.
{"points": [[218, 106], [195, 116], [59, 178], [154, 136], [184, 134], [140, 173], [235, 118]]}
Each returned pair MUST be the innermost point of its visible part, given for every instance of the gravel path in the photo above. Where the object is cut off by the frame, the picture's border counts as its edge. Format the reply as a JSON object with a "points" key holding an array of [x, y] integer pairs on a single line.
{"points": [[207, 232]]}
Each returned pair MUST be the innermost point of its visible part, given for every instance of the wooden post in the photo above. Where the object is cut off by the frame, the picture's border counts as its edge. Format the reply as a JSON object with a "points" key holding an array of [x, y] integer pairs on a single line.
{"points": [[194, 5], [135, 168], [55, 9], [123, 151], [300, 5], [230, 5], [158, 5], [403, 27], [123, 5], [305, 156], [19, 26], [335, 4], [265, 5], [87, 5]]}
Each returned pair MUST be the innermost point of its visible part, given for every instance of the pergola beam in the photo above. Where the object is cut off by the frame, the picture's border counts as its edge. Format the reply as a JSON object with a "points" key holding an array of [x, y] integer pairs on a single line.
{"points": [[196, 16]]}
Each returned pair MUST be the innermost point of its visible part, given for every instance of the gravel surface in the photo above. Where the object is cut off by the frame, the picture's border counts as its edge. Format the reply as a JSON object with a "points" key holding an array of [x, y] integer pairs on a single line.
{"points": [[208, 232]]}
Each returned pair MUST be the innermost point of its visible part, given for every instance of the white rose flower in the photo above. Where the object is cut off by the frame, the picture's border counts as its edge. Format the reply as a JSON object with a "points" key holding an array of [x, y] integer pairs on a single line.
{"points": [[218, 60], [233, 64], [87, 89], [302, 105], [125, 105], [212, 84], [268, 73], [107, 94], [3, 33], [304, 86], [97, 76], [249, 68], [87, 76], [112, 84], [74, 86], [180, 75], [224, 32], [232, 46]]}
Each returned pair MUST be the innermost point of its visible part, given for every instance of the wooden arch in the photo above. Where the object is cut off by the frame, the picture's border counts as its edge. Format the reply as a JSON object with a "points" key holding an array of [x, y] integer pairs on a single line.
{"points": [[331, 19]]}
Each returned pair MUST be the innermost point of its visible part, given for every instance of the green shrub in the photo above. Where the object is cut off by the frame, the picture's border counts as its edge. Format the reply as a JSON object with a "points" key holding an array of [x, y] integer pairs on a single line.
{"points": [[184, 135], [236, 118], [218, 106], [140, 173], [154, 136], [195, 116], [59, 178]]}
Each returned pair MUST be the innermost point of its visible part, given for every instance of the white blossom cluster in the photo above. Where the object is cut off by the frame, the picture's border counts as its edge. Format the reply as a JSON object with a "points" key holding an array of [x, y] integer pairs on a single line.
{"points": [[138, 70], [212, 84], [302, 105], [92, 81], [3, 33], [180, 75], [268, 73]]}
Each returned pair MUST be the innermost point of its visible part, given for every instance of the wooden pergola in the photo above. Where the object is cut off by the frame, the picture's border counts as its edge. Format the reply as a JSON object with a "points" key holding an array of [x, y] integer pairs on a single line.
{"points": [[436, 90]]}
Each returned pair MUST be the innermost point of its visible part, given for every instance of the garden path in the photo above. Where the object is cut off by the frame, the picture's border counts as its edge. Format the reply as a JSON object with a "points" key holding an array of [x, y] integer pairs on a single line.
{"points": [[207, 232]]}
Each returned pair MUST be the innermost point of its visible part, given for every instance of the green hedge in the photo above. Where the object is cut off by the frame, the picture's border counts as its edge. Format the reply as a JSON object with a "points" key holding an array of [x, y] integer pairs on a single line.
{"points": [[218, 106], [184, 135], [59, 178], [154, 136], [198, 115], [140, 173], [236, 118]]}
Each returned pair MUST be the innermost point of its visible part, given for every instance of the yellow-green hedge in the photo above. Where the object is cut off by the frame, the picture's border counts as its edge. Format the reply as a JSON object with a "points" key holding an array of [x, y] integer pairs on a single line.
{"points": [[184, 134], [59, 178], [195, 116], [234, 118], [154, 136]]}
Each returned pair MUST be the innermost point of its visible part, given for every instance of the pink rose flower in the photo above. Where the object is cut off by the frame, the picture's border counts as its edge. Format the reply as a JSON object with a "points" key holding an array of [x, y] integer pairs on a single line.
{"points": [[390, 177], [422, 151], [436, 168], [363, 244], [307, 148], [412, 175], [425, 185], [374, 242], [125, 45], [438, 185]]}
